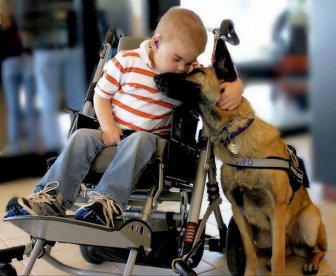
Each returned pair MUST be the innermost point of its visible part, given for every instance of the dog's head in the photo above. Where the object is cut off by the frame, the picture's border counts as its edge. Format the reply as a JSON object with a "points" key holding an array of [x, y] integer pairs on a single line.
{"points": [[201, 86]]}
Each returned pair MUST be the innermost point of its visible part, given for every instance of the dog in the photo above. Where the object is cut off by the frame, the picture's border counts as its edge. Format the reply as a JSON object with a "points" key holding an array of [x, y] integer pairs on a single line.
{"points": [[257, 172]]}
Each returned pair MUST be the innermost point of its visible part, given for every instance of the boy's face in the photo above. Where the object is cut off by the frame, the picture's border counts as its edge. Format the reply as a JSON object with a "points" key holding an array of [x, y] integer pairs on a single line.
{"points": [[172, 56]]}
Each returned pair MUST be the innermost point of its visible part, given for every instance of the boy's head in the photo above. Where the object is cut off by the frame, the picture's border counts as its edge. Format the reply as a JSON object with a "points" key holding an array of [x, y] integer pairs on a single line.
{"points": [[179, 38]]}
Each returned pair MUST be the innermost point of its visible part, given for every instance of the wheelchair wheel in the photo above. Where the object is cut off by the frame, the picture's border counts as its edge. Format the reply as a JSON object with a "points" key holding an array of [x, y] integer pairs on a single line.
{"points": [[7, 270], [235, 254], [87, 254]]}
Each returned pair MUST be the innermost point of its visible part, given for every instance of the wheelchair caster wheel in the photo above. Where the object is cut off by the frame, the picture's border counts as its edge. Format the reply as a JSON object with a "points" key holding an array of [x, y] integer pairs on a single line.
{"points": [[7, 270], [235, 253], [87, 255]]}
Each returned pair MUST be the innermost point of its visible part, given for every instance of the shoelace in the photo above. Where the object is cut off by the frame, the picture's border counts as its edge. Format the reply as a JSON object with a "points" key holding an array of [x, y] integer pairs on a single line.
{"points": [[109, 206], [43, 196]]}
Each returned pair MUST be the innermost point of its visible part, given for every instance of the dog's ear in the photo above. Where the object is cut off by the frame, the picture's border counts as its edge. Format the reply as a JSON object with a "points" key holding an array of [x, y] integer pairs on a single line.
{"points": [[223, 64]]}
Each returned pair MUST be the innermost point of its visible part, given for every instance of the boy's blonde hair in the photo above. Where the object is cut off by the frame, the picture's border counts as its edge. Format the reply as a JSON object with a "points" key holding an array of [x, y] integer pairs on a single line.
{"points": [[185, 25]]}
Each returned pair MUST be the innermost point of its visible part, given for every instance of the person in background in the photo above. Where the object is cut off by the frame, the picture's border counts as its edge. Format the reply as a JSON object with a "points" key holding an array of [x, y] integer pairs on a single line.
{"points": [[18, 86], [290, 39], [58, 61]]}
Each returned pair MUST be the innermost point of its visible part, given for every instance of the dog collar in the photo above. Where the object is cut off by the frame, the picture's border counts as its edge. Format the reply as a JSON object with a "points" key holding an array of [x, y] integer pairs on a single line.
{"points": [[229, 141], [234, 134]]}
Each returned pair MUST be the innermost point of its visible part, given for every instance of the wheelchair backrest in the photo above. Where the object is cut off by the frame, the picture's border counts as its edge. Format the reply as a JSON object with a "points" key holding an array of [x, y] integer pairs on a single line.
{"points": [[129, 42]]}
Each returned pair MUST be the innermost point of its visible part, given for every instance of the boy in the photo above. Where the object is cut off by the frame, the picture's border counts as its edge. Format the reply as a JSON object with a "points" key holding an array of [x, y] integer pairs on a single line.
{"points": [[128, 88]]}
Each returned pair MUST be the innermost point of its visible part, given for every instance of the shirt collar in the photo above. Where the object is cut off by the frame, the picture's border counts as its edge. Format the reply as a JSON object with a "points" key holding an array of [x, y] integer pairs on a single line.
{"points": [[145, 50]]}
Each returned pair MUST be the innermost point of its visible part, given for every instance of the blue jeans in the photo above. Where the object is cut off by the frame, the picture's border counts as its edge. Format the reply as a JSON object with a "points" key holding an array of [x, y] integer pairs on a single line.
{"points": [[17, 73], [132, 155], [59, 74]]}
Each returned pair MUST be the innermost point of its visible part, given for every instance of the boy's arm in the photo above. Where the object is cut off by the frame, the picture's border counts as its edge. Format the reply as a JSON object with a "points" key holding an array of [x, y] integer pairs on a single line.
{"points": [[111, 132], [231, 94]]}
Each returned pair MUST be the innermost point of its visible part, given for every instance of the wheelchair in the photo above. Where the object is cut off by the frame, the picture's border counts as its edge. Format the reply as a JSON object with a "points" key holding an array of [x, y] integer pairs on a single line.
{"points": [[182, 167]]}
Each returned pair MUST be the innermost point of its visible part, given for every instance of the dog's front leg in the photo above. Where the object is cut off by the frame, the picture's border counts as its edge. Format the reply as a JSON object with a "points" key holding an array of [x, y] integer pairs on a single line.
{"points": [[279, 239], [247, 239]]}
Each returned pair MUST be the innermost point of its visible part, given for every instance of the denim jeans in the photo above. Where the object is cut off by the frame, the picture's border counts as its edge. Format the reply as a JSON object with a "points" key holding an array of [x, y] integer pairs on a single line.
{"points": [[17, 73], [59, 75], [70, 168]]}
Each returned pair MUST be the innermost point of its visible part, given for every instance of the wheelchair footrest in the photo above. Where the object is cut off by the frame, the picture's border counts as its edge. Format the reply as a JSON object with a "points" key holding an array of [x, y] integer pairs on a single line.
{"points": [[131, 234]]}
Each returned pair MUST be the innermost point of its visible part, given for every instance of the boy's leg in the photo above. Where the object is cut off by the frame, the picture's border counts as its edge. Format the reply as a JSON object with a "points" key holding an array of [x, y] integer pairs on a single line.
{"points": [[116, 185], [73, 164], [133, 155], [68, 171]]}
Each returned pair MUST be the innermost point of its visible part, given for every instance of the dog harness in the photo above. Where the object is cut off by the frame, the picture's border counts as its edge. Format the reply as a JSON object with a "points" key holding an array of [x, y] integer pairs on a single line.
{"points": [[294, 167]]}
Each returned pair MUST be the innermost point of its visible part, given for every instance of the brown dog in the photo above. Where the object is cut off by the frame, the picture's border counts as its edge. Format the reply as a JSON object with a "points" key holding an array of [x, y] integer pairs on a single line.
{"points": [[269, 211]]}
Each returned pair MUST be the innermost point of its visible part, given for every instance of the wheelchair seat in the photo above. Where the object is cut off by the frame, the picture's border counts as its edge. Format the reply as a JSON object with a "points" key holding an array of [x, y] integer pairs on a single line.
{"points": [[178, 153]]}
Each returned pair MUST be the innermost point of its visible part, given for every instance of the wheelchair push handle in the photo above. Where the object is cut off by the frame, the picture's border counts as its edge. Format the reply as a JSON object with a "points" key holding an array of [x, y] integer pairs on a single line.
{"points": [[113, 36], [226, 31]]}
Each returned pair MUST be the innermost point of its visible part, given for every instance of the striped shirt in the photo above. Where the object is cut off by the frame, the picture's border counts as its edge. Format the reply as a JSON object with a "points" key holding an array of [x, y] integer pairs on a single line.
{"points": [[128, 81]]}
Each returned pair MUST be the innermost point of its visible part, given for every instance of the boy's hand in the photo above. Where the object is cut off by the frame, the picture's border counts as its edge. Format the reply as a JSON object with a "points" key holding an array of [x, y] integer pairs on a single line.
{"points": [[231, 94], [111, 135]]}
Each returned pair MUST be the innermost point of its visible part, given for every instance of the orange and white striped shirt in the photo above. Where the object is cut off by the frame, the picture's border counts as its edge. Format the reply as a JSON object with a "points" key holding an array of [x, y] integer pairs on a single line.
{"points": [[128, 81]]}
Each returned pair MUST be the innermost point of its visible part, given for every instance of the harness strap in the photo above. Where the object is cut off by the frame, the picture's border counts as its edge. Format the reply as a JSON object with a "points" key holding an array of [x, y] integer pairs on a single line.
{"points": [[294, 168], [266, 163]]}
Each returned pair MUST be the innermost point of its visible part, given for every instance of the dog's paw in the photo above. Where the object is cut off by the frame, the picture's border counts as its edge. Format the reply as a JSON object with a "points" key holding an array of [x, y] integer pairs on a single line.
{"points": [[310, 269], [269, 265]]}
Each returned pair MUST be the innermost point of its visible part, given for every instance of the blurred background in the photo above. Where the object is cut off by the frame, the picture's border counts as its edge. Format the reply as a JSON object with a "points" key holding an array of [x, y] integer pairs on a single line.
{"points": [[49, 51]]}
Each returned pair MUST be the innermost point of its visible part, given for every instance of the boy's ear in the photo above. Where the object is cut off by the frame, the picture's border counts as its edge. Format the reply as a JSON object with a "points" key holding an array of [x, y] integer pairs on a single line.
{"points": [[155, 42]]}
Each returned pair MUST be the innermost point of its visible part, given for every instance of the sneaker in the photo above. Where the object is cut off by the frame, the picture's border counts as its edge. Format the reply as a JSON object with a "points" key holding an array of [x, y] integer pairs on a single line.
{"points": [[43, 203], [99, 210]]}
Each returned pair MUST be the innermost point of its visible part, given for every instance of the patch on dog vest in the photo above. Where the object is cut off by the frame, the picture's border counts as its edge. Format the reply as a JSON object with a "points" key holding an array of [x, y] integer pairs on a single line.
{"points": [[297, 170]]}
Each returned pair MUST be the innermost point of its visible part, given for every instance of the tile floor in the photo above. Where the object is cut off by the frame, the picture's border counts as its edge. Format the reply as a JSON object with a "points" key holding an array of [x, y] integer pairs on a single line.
{"points": [[211, 264]]}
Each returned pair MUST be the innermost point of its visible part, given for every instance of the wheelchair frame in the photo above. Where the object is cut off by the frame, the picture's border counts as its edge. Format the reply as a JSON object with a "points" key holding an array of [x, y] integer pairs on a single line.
{"points": [[134, 234]]}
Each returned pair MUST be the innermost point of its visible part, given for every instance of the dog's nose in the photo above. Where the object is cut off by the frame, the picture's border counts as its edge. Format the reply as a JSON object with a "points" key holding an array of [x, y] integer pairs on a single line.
{"points": [[161, 83], [157, 80]]}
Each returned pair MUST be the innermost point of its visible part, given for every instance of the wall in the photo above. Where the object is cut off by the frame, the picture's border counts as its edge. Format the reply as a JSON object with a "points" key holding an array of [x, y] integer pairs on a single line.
{"points": [[323, 86]]}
